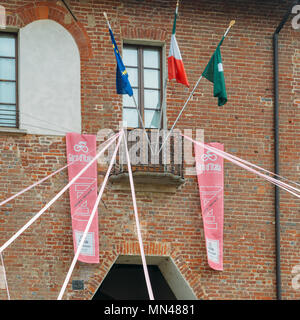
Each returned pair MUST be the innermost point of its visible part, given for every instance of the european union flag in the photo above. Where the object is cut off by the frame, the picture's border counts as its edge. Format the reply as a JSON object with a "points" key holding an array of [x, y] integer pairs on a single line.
{"points": [[122, 81]]}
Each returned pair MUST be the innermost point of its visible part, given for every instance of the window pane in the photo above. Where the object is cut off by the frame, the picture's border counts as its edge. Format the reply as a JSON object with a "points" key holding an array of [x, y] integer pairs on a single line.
{"points": [[133, 76], [130, 118], [128, 101], [7, 109], [8, 116], [8, 123], [7, 46], [152, 119], [151, 58], [130, 57], [7, 92], [152, 99], [152, 78], [7, 69]]}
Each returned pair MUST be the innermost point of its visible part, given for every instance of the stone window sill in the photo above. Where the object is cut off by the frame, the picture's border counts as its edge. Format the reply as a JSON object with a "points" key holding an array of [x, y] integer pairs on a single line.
{"points": [[12, 131], [148, 181]]}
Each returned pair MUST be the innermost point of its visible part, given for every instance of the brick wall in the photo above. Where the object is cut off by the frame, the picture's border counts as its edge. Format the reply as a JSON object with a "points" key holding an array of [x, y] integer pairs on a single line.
{"points": [[171, 224]]}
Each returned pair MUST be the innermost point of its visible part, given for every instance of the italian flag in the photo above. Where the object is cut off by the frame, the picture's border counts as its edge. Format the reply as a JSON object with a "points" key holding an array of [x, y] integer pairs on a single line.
{"points": [[175, 64]]}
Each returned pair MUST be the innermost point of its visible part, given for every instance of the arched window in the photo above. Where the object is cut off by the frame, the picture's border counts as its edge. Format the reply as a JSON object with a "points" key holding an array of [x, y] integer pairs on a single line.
{"points": [[49, 79]]}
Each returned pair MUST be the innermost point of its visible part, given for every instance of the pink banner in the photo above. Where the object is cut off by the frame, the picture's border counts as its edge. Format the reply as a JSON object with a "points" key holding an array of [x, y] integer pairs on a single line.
{"points": [[83, 194], [210, 175]]}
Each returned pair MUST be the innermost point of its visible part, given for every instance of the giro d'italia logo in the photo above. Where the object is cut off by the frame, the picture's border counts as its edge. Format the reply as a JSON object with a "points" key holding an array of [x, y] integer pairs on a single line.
{"points": [[81, 146], [2, 17]]}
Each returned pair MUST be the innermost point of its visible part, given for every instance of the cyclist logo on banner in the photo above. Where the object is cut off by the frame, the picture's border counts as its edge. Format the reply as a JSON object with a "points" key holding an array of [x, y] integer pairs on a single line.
{"points": [[209, 156], [81, 146]]}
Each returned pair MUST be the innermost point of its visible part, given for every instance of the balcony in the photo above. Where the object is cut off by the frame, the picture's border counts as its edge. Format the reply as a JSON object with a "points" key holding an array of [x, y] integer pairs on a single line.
{"points": [[152, 171]]}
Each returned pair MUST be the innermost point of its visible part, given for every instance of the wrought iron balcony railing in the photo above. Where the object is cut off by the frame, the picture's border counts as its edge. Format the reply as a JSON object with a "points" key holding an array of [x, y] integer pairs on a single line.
{"points": [[148, 165]]}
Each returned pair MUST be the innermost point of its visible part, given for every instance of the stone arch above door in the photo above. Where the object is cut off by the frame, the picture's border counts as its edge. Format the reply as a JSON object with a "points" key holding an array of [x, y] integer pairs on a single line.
{"points": [[161, 254], [52, 11]]}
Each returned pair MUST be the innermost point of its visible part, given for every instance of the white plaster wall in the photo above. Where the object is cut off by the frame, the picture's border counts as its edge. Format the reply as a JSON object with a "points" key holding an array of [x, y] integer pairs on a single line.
{"points": [[49, 79]]}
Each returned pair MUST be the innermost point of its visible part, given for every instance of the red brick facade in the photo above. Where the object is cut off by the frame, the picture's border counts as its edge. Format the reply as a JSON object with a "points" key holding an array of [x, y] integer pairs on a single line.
{"points": [[171, 223]]}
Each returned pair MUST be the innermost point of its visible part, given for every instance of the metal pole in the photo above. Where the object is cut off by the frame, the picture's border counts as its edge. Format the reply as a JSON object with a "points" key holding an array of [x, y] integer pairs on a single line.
{"points": [[142, 122], [162, 111], [276, 160], [276, 147], [180, 113], [68, 8]]}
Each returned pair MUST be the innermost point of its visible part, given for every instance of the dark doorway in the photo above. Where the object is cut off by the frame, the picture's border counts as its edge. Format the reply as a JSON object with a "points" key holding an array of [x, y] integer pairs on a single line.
{"points": [[127, 282]]}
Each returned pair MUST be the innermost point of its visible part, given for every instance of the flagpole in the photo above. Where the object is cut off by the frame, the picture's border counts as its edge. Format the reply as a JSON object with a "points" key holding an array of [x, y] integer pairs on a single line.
{"points": [[142, 122], [163, 105], [135, 103], [232, 22], [162, 111], [180, 113]]}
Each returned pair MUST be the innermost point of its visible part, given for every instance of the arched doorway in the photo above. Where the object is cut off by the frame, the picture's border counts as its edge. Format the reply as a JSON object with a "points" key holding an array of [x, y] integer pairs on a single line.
{"points": [[126, 281]]}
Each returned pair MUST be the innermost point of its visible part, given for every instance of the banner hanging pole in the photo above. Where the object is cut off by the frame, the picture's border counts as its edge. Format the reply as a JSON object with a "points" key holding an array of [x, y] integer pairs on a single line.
{"points": [[32, 220], [147, 278], [232, 22], [90, 220]]}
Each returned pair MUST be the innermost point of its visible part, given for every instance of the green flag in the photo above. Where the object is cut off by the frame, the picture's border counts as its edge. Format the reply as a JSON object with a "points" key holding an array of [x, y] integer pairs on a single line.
{"points": [[214, 72]]}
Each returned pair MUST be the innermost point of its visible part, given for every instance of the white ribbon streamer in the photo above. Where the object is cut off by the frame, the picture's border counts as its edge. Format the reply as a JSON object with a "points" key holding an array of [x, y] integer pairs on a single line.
{"points": [[147, 278], [90, 221], [46, 178], [4, 276], [32, 220], [240, 163]]}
